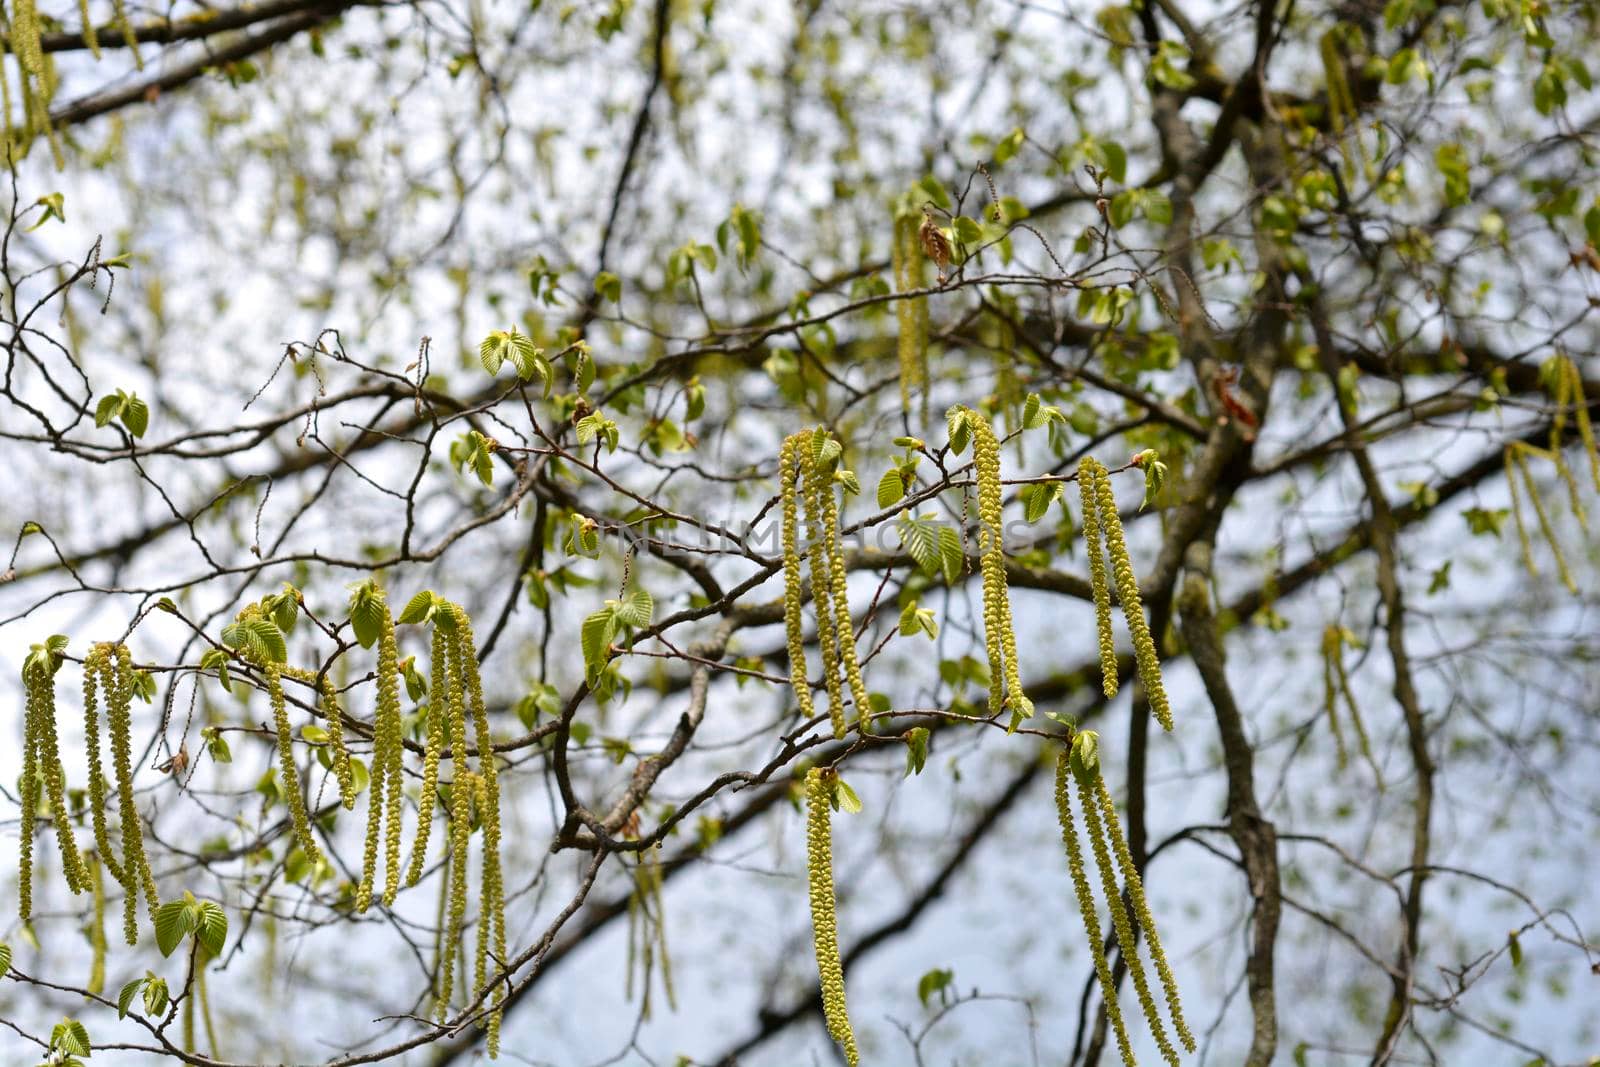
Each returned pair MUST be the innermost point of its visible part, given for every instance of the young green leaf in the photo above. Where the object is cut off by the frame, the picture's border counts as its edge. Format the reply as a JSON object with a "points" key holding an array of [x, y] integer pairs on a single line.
{"points": [[125, 998], [174, 921], [890, 488], [212, 928]]}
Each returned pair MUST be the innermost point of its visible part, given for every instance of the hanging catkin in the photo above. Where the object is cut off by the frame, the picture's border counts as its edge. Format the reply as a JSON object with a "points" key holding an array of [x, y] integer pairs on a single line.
{"points": [[1000, 639], [1116, 547], [789, 473], [1089, 496], [824, 921]]}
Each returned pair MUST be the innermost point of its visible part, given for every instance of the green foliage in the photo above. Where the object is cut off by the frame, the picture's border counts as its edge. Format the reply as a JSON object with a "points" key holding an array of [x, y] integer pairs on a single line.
{"points": [[132, 412]]}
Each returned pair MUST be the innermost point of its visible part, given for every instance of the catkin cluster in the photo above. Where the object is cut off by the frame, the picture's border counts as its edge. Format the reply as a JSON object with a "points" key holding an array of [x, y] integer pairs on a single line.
{"points": [[457, 697], [108, 669], [1079, 768], [911, 315], [647, 931], [1516, 463], [37, 81], [42, 769], [806, 463], [1102, 523], [1000, 638], [333, 715], [386, 783], [114, 667], [1336, 684], [288, 774], [824, 922], [1566, 388]]}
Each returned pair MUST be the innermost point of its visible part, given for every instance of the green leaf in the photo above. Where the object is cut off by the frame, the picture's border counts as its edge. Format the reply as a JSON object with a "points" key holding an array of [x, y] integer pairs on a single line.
{"points": [[1300, 1054], [934, 190], [110, 407], [286, 609], [844, 798], [1122, 205], [217, 745], [136, 415], [1155, 475], [1515, 946], [366, 615], [265, 636], [916, 749], [849, 481], [5, 958], [1085, 756], [54, 205], [418, 608], [1157, 207], [1116, 160], [935, 981], [952, 556], [69, 1036], [959, 429], [636, 609], [920, 537], [174, 921], [891, 488], [608, 286], [1485, 522], [598, 630], [915, 619], [213, 928], [968, 231], [125, 998], [492, 352], [1037, 498], [155, 996]]}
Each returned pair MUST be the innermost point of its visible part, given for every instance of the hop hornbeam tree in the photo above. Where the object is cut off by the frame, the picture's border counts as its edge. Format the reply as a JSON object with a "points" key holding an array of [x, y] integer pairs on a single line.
{"points": [[577, 331]]}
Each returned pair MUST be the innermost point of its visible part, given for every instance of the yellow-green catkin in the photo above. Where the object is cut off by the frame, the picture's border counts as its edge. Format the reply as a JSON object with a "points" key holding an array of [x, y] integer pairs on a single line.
{"points": [[1086, 906], [460, 827], [1580, 411], [824, 922], [97, 925], [1141, 911], [1516, 513], [28, 788], [1097, 827], [1515, 458], [333, 714], [1000, 638], [1562, 388], [385, 782], [39, 681], [389, 711], [1331, 643], [651, 863], [844, 627], [789, 465], [911, 315], [1336, 684], [822, 584], [438, 717], [117, 688], [491, 919], [97, 664], [1144, 646], [288, 773], [1089, 474], [120, 19], [90, 38]]}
